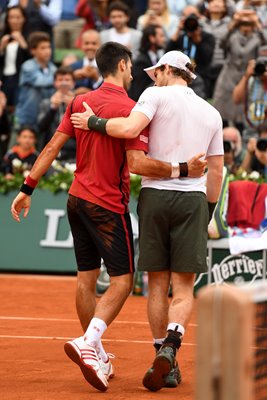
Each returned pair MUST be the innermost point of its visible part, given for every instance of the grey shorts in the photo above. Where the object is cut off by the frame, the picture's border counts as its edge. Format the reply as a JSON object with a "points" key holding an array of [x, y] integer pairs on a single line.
{"points": [[173, 229]]}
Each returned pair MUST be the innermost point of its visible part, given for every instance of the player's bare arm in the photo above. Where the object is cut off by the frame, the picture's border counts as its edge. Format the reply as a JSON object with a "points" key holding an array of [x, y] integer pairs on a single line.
{"points": [[122, 128], [140, 164], [41, 165], [214, 177], [214, 181]]}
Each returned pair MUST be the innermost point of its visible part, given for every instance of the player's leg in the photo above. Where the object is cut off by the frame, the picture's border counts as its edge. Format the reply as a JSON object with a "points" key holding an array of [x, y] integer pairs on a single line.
{"points": [[88, 261], [113, 299], [180, 308], [158, 304], [85, 296], [188, 236], [154, 258], [112, 235], [115, 244], [188, 255]]}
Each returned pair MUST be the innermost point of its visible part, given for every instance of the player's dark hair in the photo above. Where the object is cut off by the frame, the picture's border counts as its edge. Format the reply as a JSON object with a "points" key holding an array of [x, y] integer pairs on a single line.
{"points": [[150, 30], [119, 6], [35, 38], [108, 57]]}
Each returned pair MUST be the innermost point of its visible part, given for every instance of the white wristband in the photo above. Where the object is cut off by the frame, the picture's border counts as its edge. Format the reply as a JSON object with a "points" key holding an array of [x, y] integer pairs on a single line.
{"points": [[175, 170]]}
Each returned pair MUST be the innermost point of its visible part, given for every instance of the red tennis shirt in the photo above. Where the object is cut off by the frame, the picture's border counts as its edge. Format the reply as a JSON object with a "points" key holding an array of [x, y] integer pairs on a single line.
{"points": [[102, 175]]}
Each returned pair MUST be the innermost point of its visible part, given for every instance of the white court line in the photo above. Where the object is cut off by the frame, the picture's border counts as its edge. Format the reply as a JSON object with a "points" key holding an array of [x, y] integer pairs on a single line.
{"points": [[69, 338], [71, 320], [40, 277], [103, 340]]}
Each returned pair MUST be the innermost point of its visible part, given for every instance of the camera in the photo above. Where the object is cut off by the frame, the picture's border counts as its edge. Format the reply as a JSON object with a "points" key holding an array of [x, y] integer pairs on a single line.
{"points": [[191, 23], [262, 144], [228, 146], [261, 66]]}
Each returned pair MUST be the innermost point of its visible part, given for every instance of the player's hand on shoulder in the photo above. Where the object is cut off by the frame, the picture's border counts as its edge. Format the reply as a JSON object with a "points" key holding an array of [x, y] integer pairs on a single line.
{"points": [[22, 201], [196, 166], [80, 120]]}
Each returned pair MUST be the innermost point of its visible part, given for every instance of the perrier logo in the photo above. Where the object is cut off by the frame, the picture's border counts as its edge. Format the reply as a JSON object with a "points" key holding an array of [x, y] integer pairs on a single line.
{"points": [[237, 269]]}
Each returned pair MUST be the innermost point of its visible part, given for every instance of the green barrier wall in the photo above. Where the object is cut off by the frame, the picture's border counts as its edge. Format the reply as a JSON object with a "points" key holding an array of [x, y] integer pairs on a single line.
{"points": [[42, 243]]}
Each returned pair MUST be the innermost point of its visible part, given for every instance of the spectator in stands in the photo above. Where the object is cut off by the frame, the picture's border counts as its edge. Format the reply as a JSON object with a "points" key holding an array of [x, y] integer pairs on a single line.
{"points": [[233, 151], [230, 6], [13, 53], [199, 45], [95, 13], [152, 44], [67, 31], [119, 15], [5, 128], [21, 157], [241, 44], [86, 73], [69, 59], [256, 155], [259, 6], [177, 7], [216, 22], [36, 80], [251, 91], [158, 14], [53, 109], [42, 15]]}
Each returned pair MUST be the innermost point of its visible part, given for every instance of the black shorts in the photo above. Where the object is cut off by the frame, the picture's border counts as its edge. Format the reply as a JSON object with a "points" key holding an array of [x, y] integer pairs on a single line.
{"points": [[173, 231], [100, 233]]}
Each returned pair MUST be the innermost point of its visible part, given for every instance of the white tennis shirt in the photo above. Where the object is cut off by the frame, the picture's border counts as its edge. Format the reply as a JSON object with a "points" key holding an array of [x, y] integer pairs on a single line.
{"points": [[182, 125]]}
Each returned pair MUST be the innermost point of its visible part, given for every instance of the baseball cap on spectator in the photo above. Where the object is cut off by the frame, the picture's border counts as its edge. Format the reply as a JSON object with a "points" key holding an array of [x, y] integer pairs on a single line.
{"points": [[173, 58]]}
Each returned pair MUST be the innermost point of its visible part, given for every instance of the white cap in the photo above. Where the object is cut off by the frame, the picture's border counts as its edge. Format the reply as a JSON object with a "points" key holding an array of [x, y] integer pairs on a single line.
{"points": [[173, 58]]}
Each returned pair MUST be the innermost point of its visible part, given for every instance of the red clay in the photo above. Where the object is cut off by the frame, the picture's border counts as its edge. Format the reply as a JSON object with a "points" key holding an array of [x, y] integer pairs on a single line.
{"points": [[36, 367]]}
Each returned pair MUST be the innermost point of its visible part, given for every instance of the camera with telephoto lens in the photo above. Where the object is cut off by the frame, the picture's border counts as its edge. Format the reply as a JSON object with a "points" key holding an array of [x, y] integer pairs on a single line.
{"points": [[261, 66], [228, 146], [191, 23], [262, 144]]}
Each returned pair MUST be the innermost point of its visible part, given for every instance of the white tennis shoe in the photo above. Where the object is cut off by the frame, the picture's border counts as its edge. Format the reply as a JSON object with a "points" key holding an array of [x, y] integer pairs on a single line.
{"points": [[86, 358], [107, 366]]}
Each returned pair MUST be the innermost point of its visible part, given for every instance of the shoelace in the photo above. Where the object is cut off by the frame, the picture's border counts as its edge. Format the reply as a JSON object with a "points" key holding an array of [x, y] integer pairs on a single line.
{"points": [[110, 355]]}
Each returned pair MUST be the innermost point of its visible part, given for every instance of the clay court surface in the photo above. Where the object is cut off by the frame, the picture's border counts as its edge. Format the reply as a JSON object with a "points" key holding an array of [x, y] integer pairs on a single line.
{"points": [[37, 316]]}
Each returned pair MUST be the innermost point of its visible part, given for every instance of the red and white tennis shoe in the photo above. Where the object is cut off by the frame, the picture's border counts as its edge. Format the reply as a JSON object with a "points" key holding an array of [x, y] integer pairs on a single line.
{"points": [[86, 357]]}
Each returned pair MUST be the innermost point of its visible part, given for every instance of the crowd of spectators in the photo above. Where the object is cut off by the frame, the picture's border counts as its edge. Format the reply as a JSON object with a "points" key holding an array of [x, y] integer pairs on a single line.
{"points": [[47, 57]]}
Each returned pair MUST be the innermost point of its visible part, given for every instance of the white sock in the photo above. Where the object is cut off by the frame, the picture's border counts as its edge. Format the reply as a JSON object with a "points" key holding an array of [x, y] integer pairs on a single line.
{"points": [[158, 341], [173, 326], [94, 332], [101, 352]]}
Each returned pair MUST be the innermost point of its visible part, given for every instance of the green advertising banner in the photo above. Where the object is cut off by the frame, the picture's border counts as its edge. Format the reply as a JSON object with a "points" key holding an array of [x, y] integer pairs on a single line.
{"points": [[43, 243]]}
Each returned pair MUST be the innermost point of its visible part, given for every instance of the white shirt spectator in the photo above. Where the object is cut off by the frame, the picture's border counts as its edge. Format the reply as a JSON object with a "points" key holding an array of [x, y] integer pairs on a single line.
{"points": [[50, 13]]}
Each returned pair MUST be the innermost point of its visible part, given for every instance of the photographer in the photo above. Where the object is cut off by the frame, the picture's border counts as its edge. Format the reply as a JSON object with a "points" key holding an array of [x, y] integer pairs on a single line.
{"points": [[197, 44], [233, 152], [252, 92], [53, 109], [242, 43], [256, 155]]}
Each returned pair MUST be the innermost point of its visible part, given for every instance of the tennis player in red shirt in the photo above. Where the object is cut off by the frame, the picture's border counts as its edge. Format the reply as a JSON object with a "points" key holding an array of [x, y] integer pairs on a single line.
{"points": [[98, 208]]}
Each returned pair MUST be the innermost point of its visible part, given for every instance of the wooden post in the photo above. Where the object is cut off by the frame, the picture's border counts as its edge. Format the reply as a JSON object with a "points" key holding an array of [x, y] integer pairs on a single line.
{"points": [[224, 365]]}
